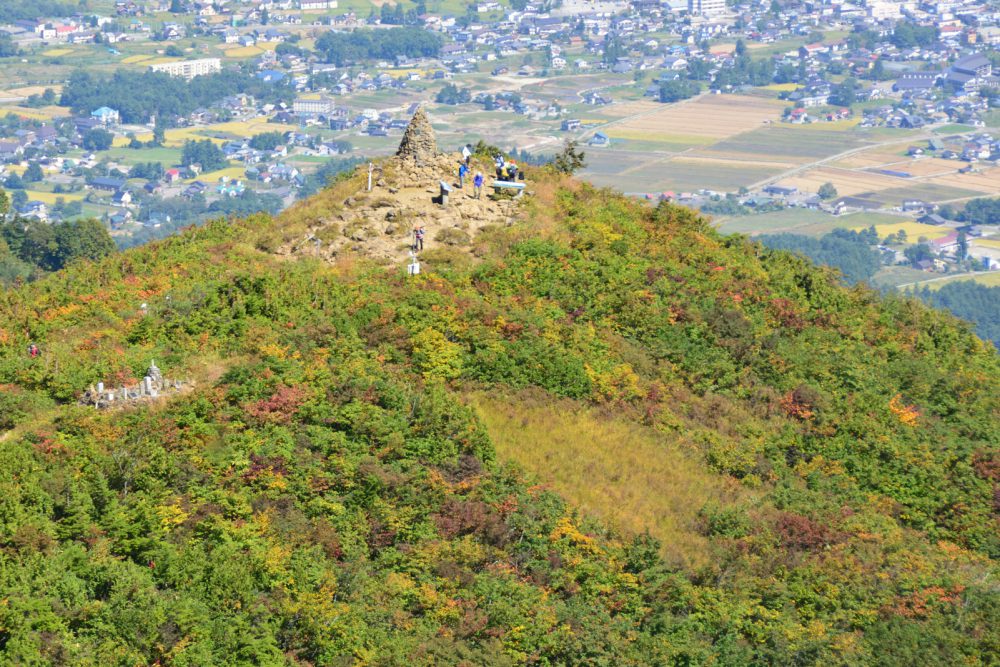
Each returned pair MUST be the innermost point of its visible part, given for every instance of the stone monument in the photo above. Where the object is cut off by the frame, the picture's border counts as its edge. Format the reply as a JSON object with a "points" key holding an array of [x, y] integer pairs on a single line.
{"points": [[419, 142]]}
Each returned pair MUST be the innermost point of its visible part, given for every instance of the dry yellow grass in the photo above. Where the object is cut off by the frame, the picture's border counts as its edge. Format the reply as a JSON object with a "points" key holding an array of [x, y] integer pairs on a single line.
{"points": [[43, 113], [713, 117], [34, 90], [138, 58], [914, 230], [213, 176], [991, 279], [243, 52], [782, 87], [50, 197], [846, 181], [987, 243], [248, 128], [987, 180], [54, 53], [620, 472]]}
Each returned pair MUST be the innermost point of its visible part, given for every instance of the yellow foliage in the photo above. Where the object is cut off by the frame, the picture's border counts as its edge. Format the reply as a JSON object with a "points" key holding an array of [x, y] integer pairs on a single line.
{"points": [[621, 383], [907, 414], [436, 356], [276, 559], [171, 515], [566, 530]]}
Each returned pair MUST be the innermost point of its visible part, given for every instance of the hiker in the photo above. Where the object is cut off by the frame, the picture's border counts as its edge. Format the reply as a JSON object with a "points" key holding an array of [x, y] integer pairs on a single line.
{"points": [[512, 171], [500, 163], [477, 185], [462, 171], [467, 154], [33, 351], [418, 238]]}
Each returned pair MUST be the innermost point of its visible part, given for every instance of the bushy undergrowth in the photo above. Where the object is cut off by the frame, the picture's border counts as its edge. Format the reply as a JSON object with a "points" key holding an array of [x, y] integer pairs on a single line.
{"points": [[328, 499]]}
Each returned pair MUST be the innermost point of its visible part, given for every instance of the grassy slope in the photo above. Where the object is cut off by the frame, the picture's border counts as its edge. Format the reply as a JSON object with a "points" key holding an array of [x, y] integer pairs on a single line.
{"points": [[626, 474]]}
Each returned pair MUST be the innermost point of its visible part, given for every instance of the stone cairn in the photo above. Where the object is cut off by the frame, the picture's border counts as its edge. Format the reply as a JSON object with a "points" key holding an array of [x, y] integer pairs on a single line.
{"points": [[419, 143], [152, 386]]}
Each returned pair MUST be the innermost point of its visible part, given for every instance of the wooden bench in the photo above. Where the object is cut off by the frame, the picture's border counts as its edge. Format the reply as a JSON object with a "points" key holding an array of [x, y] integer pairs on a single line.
{"points": [[500, 186]]}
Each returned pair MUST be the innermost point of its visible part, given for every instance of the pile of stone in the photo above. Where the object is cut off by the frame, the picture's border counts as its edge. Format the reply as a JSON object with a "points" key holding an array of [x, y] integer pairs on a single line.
{"points": [[152, 386], [419, 143]]}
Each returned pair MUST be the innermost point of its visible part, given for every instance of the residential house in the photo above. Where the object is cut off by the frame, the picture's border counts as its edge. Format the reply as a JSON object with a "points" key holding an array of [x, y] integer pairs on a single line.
{"points": [[599, 140], [106, 184], [35, 209], [106, 116]]}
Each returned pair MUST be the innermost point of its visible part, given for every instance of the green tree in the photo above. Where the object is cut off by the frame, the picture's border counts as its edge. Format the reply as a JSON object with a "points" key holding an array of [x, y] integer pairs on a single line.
{"points": [[267, 141], [204, 153], [33, 174], [827, 191], [845, 94], [97, 139], [918, 252], [570, 159], [677, 90]]}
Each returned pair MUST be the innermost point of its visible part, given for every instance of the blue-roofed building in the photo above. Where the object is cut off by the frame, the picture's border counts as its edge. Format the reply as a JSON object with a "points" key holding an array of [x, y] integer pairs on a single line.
{"points": [[599, 139], [106, 116], [271, 76]]}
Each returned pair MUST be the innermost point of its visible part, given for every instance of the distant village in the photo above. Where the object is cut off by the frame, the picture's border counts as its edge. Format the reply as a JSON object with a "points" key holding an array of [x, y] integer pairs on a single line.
{"points": [[894, 64]]}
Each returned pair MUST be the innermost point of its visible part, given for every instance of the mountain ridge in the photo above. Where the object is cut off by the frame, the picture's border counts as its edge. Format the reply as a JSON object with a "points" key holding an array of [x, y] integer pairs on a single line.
{"points": [[328, 494]]}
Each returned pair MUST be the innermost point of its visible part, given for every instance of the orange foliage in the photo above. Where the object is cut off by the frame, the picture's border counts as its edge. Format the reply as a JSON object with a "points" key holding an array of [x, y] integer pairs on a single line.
{"points": [[920, 604], [907, 414]]}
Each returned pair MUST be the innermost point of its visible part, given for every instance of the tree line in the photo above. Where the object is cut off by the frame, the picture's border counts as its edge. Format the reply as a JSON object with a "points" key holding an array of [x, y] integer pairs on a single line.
{"points": [[848, 251], [140, 96], [30, 248], [346, 47], [970, 301]]}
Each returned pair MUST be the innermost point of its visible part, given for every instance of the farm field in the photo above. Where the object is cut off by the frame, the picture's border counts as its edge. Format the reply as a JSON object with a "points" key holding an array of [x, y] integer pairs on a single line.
{"points": [[50, 198], [41, 113], [914, 230], [934, 283], [925, 191], [800, 221], [713, 117], [213, 176], [894, 276], [790, 142], [218, 132], [847, 182]]}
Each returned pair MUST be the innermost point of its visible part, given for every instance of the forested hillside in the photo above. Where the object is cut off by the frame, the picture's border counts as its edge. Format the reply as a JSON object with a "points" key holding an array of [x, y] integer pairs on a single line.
{"points": [[328, 491]]}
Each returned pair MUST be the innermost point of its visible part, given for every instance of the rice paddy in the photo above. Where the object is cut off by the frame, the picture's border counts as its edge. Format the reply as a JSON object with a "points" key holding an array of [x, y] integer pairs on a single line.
{"points": [[914, 230]]}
